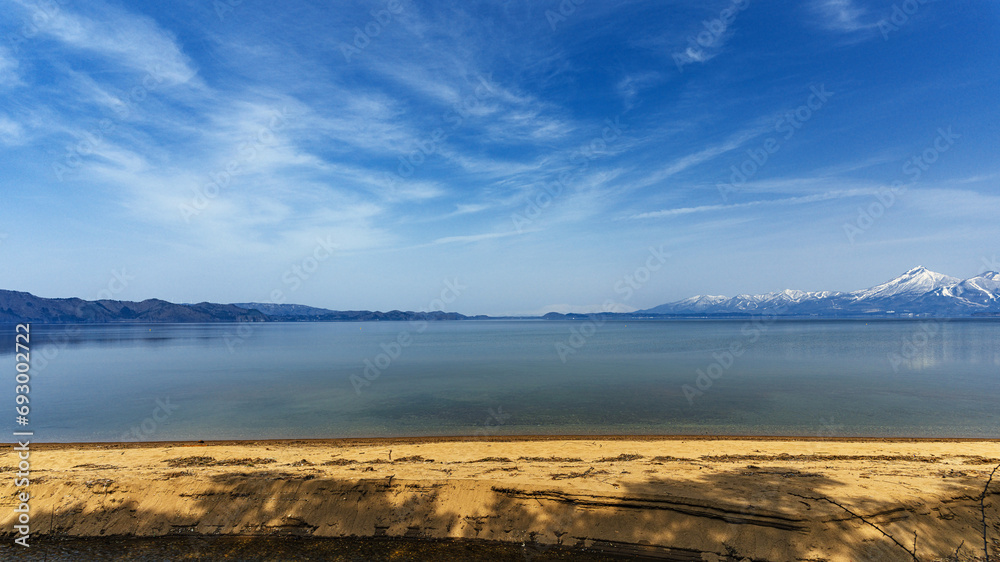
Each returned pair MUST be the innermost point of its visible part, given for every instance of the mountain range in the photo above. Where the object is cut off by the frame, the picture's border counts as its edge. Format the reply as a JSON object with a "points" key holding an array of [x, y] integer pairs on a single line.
{"points": [[18, 306], [301, 313], [918, 292]]}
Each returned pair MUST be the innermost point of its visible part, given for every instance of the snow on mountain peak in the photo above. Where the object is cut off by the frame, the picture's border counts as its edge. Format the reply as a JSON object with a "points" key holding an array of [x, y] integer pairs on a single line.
{"points": [[915, 282], [919, 291], [703, 300], [988, 282]]}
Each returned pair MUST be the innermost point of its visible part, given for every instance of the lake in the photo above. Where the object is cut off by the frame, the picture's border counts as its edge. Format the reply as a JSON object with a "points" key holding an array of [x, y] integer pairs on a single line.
{"points": [[830, 378]]}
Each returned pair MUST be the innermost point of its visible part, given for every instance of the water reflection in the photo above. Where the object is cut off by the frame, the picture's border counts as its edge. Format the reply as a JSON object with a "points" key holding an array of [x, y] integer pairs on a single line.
{"points": [[99, 382], [47, 339]]}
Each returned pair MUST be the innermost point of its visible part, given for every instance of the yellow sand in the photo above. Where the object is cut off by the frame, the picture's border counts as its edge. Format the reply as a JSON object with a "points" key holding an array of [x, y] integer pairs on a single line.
{"points": [[674, 497]]}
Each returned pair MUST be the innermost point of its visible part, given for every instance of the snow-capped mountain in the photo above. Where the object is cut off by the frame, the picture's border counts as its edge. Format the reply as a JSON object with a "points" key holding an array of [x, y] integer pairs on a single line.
{"points": [[914, 283], [918, 292], [701, 302], [982, 289]]}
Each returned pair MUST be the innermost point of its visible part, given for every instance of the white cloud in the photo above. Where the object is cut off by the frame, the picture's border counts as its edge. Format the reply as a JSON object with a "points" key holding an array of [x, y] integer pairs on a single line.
{"points": [[474, 237], [808, 185], [11, 133], [843, 16], [692, 54], [706, 154], [130, 40], [773, 202], [8, 69], [708, 38], [631, 86], [465, 209]]}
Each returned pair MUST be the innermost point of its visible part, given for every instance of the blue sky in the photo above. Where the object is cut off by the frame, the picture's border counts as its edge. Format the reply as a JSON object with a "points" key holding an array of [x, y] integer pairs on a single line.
{"points": [[356, 155]]}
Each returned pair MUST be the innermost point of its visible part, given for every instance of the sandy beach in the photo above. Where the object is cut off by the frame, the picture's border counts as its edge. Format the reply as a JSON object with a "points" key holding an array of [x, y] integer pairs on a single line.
{"points": [[678, 498]]}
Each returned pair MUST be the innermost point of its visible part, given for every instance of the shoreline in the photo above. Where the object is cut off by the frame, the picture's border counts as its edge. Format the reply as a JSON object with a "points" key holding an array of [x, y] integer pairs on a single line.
{"points": [[351, 441]]}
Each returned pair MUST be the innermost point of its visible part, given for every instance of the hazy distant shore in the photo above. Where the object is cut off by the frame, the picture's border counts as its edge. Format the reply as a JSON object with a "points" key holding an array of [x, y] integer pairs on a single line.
{"points": [[778, 498], [918, 293]]}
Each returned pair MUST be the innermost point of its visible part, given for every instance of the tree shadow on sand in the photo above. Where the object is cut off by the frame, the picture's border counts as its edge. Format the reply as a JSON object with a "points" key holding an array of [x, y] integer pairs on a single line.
{"points": [[756, 513], [763, 513]]}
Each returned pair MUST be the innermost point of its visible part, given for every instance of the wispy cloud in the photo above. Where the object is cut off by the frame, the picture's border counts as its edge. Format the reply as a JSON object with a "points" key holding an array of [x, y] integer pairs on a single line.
{"points": [[464, 209], [704, 155], [844, 16], [708, 40], [632, 85], [473, 237], [9, 75], [11, 132], [666, 213], [127, 39]]}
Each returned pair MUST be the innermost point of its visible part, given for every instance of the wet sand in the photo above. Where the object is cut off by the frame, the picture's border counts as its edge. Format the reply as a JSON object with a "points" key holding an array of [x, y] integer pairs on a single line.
{"points": [[671, 498]]}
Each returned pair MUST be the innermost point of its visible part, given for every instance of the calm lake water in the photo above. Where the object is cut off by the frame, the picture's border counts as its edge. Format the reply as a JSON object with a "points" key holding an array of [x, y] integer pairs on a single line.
{"points": [[227, 381]]}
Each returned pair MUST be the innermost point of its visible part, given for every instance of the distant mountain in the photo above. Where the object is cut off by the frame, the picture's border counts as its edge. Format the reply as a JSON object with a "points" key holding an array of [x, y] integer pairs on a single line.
{"points": [[283, 310], [301, 313], [24, 307], [914, 283], [918, 292], [17, 307]]}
